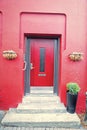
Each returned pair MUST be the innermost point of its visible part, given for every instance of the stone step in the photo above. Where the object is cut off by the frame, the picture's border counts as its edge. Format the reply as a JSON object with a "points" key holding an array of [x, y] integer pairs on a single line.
{"points": [[36, 111], [40, 95], [49, 104], [40, 98], [41, 110], [32, 106], [40, 102], [43, 89], [61, 120]]}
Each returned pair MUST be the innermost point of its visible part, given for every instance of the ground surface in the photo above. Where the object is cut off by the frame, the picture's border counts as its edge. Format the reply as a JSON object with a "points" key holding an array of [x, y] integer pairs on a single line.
{"points": [[84, 123]]}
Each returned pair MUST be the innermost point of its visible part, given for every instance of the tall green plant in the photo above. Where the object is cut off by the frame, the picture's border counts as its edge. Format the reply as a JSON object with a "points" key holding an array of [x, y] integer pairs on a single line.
{"points": [[73, 88]]}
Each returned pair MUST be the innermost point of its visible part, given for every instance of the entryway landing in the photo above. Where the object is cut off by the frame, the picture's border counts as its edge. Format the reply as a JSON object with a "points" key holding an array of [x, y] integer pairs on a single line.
{"points": [[41, 90], [41, 110]]}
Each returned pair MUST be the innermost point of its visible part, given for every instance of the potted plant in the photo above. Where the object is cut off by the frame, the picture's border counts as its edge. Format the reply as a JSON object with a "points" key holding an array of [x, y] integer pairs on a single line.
{"points": [[72, 95]]}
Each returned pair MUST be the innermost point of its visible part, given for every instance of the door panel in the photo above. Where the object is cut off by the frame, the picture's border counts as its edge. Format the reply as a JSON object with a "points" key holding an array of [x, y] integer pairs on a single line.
{"points": [[42, 62]]}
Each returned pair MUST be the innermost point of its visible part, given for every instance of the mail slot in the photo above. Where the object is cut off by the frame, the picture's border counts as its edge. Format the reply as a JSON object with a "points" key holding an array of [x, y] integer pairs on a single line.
{"points": [[41, 74]]}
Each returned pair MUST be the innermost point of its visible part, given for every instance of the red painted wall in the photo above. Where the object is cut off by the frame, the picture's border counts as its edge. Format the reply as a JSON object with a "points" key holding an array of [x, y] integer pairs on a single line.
{"points": [[65, 18]]}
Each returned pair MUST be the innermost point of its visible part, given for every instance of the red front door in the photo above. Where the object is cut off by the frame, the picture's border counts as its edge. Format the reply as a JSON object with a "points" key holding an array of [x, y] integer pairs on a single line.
{"points": [[42, 62]]}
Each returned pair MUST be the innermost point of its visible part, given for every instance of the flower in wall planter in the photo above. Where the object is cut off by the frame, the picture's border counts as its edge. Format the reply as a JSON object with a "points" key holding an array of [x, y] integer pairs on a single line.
{"points": [[9, 54], [76, 56], [72, 95]]}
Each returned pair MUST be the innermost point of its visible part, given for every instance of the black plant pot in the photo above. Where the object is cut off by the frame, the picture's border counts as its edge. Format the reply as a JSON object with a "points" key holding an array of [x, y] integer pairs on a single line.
{"points": [[71, 102]]}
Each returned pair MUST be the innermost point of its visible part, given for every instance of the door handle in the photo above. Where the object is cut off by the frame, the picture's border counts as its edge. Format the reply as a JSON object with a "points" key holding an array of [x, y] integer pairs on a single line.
{"points": [[31, 66], [25, 66]]}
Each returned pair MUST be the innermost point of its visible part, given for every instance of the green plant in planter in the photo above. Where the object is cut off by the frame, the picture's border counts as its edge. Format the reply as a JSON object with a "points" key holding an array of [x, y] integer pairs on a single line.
{"points": [[73, 88], [72, 95]]}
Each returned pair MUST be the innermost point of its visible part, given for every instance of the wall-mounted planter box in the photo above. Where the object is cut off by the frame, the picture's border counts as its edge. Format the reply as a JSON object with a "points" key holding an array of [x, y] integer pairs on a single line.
{"points": [[9, 54], [76, 56]]}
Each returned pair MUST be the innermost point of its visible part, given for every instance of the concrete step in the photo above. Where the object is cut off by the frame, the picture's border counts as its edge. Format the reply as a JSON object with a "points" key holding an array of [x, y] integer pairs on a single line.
{"points": [[36, 88], [43, 98], [42, 103], [36, 111], [41, 90], [40, 95], [61, 120], [39, 106], [41, 110]]}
